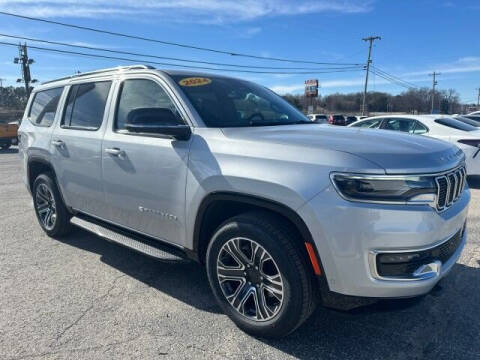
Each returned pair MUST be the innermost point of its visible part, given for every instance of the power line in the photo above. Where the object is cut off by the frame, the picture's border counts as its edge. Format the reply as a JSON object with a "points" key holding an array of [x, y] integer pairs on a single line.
{"points": [[172, 64], [395, 77], [393, 81], [170, 43], [168, 58]]}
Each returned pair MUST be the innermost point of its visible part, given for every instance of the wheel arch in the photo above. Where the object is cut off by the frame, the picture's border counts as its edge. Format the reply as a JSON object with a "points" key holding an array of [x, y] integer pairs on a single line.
{"points": [[210, 215], [37, 165]]}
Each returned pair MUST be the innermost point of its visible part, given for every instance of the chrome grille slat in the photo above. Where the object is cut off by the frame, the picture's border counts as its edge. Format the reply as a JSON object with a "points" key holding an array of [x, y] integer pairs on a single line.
{"points": [[450, 187]]}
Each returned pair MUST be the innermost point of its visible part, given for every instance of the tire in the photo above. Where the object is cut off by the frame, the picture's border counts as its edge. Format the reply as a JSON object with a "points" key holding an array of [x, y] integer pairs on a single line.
{"points": [[260, 233], [47, 201]]}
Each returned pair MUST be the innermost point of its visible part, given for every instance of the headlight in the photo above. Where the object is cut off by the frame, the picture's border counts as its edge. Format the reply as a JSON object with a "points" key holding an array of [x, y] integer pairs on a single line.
{"points": [[385, 189]]}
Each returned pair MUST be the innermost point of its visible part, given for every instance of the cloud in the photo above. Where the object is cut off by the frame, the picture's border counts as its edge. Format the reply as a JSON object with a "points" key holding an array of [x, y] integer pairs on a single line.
{"points": [[198, 11], [462, 65], [250, 32], [287, 89]]}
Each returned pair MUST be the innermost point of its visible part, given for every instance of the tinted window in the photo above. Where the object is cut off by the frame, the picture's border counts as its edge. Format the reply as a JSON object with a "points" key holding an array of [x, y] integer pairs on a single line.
{"points": [[472, 117], [44, 107], [403, 125], [86, 105], [141, 94], [469, 121], [226, 102], [371, 124], [420, 129], [455, 124]]}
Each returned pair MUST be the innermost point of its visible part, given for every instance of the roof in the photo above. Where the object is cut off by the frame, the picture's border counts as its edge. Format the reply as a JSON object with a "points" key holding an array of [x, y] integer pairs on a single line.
{"points": [[136, 67], [102, 71]]}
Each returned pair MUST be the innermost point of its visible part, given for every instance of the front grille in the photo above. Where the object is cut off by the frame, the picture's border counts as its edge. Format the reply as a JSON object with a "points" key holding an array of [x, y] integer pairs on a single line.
{"points": [[387, 266], [449, 187]]}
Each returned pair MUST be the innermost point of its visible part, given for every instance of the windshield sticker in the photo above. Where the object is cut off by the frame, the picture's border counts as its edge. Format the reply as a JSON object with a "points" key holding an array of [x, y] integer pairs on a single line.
{"points": [[195, 81]]}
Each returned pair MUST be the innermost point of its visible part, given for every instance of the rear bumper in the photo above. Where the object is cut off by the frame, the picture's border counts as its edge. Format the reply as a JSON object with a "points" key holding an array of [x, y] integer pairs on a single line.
{"points": [[348, 236]]}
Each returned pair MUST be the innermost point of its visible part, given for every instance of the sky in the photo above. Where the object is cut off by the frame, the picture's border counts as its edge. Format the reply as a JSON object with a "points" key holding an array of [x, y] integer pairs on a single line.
{"points": [[417, 38]]}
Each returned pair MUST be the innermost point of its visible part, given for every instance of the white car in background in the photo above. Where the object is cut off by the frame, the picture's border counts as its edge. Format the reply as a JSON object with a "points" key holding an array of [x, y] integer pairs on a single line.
{"points": [[444, 127], [474, 113]]}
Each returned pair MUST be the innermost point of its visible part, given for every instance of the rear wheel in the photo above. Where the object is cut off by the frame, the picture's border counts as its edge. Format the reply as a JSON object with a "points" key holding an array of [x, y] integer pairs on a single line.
{"points": [[259, 275], [51, 212]]}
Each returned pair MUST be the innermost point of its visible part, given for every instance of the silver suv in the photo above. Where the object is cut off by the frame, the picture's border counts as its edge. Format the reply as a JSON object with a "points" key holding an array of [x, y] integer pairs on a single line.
{"points": [[282, 212]]}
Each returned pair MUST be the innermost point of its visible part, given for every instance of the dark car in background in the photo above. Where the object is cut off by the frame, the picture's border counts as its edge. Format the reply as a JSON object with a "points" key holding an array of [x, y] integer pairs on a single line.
{"points": [[350, 120], [318, 118], [337, 120]]}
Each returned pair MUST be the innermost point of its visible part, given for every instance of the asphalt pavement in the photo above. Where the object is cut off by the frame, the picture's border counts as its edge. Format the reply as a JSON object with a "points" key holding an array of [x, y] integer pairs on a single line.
{"points": [[85, 298]]}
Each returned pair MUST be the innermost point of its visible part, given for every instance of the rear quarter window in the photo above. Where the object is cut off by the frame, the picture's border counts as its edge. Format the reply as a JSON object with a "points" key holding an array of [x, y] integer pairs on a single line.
{"points": [[44, 107]]}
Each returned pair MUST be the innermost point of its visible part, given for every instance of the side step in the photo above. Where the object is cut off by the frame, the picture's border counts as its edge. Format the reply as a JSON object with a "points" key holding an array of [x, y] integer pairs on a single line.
{"points": [[139, 243]]}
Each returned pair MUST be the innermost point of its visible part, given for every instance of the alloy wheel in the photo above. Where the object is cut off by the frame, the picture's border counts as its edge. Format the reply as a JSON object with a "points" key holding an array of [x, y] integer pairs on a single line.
{"points": [[45, 205], [250, 279]]}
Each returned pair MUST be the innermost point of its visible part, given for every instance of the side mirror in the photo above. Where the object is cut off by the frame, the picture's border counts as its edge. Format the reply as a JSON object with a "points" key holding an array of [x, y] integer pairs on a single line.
{"points": [[157, 121]]}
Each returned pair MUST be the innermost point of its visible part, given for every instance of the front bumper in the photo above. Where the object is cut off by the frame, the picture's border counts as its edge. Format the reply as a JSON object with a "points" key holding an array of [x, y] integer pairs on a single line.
{"points": [[349, 235]]}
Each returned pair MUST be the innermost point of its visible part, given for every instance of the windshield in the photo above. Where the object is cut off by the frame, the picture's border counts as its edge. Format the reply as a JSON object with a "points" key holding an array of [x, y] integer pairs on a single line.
{"points": [[226, 102], [455, 124]]}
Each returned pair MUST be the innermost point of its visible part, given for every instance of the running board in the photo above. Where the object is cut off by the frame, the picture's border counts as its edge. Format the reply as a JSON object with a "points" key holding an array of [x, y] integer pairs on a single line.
{"points": [[140, 244]]}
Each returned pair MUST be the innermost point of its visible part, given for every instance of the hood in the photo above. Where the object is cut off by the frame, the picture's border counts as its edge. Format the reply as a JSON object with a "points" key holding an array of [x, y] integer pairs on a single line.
{"points": [[395, 152]]}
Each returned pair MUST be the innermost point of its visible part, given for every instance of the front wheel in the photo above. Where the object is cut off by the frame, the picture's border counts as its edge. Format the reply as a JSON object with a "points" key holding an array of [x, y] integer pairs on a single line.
{"points": [[259, 276]]}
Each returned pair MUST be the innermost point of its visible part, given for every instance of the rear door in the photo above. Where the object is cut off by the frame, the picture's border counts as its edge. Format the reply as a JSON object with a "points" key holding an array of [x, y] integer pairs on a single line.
{"points": [[77, 141], [145, 174]]}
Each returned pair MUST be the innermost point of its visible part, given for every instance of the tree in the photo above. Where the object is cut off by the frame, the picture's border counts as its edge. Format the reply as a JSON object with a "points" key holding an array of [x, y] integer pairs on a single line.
{"points": [[410, 101], [13, 98]]}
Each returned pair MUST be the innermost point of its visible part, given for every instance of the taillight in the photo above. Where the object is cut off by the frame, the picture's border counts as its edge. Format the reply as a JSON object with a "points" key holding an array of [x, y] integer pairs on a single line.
{"points": [[471, 142]]}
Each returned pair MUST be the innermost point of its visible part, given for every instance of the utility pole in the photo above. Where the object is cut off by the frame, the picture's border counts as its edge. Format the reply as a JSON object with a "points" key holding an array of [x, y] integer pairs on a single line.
{"points": [[434, 83], [1, 82], [370, 39], [25, 62], [478, 99]]}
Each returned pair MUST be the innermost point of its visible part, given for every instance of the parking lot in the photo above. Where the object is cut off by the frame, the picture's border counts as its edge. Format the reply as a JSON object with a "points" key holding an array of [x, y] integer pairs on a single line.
{"points": [[83, 297]]}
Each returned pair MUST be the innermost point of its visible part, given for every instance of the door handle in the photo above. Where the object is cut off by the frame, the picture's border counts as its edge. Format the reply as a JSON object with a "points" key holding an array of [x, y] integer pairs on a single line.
{"points": [[115, 152], [58, 143]]}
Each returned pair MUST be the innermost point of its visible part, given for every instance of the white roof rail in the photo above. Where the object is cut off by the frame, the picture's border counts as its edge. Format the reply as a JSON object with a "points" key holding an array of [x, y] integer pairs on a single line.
{"points": [[114, 69]]}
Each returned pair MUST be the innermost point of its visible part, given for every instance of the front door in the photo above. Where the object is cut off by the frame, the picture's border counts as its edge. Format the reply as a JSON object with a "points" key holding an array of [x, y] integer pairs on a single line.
{"points": [[145, 175]]}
